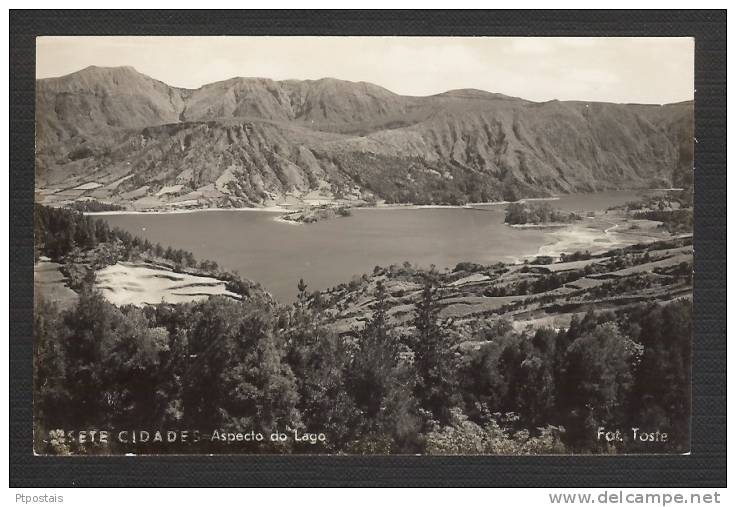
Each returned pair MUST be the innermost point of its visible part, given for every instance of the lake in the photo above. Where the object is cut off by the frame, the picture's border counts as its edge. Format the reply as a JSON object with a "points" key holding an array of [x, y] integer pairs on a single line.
{"points": [[328, 253]]}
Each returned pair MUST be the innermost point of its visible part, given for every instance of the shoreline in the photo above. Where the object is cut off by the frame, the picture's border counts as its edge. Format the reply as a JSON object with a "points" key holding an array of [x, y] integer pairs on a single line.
{"points": [[292, 209], [265, 209], [551, 225], [297, 207]]}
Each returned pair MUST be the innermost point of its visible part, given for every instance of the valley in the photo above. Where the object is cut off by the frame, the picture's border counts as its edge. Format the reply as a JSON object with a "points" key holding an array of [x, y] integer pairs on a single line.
{"points": [[440, 271], [115, 136]]}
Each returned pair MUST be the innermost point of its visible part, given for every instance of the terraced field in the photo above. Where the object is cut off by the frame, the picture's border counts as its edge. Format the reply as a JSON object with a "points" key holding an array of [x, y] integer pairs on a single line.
{"points": [[527, 294]]}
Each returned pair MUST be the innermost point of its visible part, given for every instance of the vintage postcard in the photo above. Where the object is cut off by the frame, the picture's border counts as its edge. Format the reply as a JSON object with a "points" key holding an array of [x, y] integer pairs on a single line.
{"points": [[363, 245]]}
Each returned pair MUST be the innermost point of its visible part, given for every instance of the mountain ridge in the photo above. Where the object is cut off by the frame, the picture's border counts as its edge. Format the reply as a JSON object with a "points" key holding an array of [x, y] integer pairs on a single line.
{"points": [[255, 141]]}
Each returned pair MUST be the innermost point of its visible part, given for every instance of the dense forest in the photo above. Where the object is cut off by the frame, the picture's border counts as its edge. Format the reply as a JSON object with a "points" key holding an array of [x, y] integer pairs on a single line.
{"points": [[229, 366]]}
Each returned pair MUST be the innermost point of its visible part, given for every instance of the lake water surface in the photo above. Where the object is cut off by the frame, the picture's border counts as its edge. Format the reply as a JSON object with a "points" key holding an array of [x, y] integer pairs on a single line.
{"points": [[327, 253]]}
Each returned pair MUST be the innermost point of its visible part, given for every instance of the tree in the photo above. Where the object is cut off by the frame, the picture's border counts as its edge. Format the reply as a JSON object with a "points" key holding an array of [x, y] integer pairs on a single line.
{"points": [[533, 380], [380, 386], [436, 386], [112, 365], [51, 399], [662, 393], [133, 375], [319, 360], [91, 328], [598, 380], [375, 360], [462, 436], [325, 403], [302, 295], [237, 378], [158, 250], [189, 259]]}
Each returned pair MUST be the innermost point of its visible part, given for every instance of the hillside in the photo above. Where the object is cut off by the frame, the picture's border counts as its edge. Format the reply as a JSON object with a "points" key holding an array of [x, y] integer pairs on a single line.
{"points": [[504, 358], [537, 293], [118, 136]]}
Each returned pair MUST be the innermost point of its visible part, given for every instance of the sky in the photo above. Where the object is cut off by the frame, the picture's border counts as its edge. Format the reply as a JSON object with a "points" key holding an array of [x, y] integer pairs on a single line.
{"points": [[609, 69]]}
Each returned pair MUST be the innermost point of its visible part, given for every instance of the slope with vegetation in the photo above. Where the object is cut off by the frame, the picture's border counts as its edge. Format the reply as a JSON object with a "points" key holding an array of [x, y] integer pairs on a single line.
{"points": [[118, 136], [84, 246], [404, 360]]}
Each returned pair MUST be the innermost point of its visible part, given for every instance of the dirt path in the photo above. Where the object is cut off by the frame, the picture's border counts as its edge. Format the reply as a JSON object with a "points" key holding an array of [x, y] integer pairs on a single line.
{"points": [[614, 226]]}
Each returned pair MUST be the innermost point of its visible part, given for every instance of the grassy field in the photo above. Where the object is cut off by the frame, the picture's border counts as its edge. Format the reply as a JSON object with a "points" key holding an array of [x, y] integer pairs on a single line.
{"points": [[602, 232], [140, 284]]}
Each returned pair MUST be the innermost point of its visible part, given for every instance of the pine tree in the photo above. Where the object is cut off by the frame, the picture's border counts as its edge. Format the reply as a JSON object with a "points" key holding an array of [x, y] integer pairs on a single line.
{"points": [[375, 360], [302, 291], [433, 357], [381, 386]]}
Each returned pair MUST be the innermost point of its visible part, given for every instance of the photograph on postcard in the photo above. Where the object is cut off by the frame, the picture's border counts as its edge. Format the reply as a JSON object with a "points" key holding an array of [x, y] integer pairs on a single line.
{"points": [[363, 245]]}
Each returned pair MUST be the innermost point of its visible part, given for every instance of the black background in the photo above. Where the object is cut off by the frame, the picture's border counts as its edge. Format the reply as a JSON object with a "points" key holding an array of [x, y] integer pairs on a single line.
{"points": [[705, 467]]}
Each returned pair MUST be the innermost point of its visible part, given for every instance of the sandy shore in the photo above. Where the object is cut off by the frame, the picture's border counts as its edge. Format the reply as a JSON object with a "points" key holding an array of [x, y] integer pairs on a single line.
{"points": [[538, 226], [598, 235]]}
